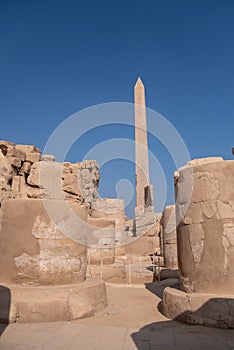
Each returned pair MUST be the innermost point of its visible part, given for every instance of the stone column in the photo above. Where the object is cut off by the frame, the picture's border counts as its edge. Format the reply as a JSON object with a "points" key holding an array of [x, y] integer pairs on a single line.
{"points": [[141, 144], [169, 237], [205, 238]]}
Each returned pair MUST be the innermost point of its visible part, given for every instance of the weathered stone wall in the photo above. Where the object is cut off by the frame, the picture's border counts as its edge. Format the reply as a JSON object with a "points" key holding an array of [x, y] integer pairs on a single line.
{"points": [[25, 173], [144, 235], [169, 237], [206, 226], [33, 250], [109, 208], [40, 200]]}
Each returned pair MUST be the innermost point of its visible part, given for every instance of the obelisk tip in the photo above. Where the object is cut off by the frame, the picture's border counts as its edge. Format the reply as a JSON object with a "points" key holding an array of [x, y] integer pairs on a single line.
{"points": [[139, 83]]}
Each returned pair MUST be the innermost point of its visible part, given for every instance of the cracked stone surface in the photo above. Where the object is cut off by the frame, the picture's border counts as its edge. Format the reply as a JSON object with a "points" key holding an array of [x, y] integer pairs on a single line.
{"points": [[206, 225]]}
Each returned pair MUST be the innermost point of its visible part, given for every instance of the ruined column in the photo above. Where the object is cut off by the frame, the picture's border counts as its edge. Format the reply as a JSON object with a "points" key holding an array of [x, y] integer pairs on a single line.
{"points": [[205, 239], [141, 144], [44, 231], [169, 237]]}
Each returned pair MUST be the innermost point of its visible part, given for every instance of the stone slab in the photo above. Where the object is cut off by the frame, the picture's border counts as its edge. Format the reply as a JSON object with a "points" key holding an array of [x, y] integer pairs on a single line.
{"points": [[214, 310], [27, 303]]}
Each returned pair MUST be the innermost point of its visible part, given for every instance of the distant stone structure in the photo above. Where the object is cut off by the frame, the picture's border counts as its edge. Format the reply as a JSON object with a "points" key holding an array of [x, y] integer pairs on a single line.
{"points": [[133, 240], [169, 237], [39, 200], [205, 234]]}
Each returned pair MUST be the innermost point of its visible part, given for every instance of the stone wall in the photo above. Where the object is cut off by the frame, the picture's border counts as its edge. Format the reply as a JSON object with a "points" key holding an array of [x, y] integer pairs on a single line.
{"points": [[33, 251], [26, 178], [25, 173]]}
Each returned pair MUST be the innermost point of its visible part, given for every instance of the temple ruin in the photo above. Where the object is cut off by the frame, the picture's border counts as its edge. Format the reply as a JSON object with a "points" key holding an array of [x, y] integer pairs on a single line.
{"points": [[60, 242]]}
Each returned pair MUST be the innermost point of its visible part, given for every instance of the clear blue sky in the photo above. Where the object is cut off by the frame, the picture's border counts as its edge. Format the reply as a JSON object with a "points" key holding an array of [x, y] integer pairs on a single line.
{"points": [[58, 57]]}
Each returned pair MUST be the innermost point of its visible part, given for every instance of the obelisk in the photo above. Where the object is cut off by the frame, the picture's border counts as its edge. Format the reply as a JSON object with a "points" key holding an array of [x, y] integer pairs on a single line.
{"points": [[141, 145]]}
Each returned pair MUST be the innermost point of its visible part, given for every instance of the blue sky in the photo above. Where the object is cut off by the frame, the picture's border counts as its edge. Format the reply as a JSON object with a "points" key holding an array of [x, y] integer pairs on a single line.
{"points": [[58, 57]]}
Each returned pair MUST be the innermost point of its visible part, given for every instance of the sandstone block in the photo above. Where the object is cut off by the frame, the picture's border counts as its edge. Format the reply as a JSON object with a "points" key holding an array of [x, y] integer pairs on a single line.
{"points": [[25, 169], [15, 162], [16, 153], [199, 308], [5, 168], [48, 158], [79, 307], [70, 176], [52, 303], [98, 256], [33, 179], [7, 143], [47, 176], [27, 148], [33, 157], [5, 190], [19, 187], [34, 250], [204, 161], [33, 192]]}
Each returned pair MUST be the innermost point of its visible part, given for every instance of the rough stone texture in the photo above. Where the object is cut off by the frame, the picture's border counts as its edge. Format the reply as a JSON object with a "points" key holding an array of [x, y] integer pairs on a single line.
{"points": [[15, 162], [169, 237], [25, 169], [89, 180], [100, 256], [141, 235], [33, 250], [32, 157], [109, 208], [47, 303], [206, 226], [143, 246], [48, 158], [70, 177], [28, 148], [44, 234], [45, 178], [6, 172], [19, 187], [199, 308], [146, 223], [114, 273]]}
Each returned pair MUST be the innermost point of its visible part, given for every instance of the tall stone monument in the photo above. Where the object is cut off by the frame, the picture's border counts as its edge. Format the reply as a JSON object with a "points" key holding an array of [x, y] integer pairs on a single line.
{"points": [[141, 145]]}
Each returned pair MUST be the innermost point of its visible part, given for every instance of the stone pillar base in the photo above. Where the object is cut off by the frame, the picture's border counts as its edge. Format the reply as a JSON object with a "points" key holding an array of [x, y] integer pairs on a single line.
{"points": [[24, 303], [214, 310]]}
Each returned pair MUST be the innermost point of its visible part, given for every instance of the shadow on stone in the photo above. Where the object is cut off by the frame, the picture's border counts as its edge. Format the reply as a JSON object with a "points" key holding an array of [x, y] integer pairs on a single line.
{"points": [[157, 288], [172, 334], [159, 335], [215, 312], [199, 308], [5, 303]]}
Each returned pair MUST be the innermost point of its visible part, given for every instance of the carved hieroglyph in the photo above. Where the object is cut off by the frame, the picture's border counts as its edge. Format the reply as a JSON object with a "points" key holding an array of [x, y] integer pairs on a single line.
{"points": [[206, 225]]}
